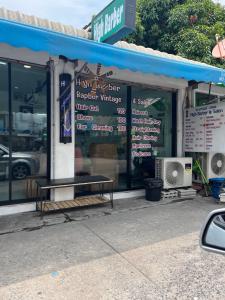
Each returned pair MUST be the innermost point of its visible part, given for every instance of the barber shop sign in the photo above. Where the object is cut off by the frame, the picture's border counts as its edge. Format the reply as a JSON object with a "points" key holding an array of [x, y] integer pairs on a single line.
{"points": [[114, 21]]}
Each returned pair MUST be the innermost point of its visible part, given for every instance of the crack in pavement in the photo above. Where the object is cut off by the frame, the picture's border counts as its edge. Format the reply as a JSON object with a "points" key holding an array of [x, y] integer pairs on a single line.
{"points": [[68, 219]]}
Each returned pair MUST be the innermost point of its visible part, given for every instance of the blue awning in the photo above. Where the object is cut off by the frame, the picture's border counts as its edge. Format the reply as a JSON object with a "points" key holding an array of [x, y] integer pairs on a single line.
{"points": [[38, 39]]}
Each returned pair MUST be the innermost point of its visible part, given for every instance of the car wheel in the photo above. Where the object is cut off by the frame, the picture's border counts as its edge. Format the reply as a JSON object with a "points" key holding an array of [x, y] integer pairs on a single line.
{"points": [[20, 171]]}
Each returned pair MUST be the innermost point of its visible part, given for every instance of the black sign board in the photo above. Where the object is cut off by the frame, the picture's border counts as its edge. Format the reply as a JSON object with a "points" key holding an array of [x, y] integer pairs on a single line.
{"points": [[65, 108]]}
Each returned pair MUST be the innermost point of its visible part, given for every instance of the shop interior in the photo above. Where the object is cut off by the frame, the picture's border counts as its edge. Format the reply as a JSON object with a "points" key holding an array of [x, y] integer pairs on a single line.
{"points": [[23, 128]]}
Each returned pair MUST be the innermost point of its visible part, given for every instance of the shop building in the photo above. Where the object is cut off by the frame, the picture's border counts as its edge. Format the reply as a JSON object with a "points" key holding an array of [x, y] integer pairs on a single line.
{"points": [[125, 106]]}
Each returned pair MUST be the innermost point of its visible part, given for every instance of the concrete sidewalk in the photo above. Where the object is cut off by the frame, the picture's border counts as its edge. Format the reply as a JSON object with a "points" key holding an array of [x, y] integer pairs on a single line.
{"points": [[144, 251], [34, 220]]}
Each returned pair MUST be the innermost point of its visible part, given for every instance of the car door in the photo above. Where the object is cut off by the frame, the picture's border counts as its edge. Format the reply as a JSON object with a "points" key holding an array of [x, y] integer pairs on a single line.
{"points": [[4, 163]]}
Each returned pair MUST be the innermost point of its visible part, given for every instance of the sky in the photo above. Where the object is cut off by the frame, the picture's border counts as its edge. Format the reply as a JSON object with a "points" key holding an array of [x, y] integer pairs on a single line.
{"points": [[72, 12]]}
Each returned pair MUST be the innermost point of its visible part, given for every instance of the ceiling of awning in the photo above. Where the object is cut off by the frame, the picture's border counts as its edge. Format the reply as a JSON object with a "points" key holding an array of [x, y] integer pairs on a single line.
{"points": [[37, 39]]}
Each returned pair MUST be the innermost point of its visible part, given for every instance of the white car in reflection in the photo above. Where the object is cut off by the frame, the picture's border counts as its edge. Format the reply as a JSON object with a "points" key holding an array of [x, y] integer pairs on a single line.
{"points": [[23, 164]]}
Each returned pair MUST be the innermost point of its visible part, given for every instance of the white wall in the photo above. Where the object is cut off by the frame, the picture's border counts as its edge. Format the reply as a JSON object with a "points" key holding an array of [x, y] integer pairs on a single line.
{"points": [[23, 55], [140, 78], [203, 87]]}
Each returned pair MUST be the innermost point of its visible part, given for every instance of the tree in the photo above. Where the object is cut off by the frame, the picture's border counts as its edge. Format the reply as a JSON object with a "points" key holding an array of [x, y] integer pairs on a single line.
{"points": [[193, 44], [152, 16], [186, 28]]}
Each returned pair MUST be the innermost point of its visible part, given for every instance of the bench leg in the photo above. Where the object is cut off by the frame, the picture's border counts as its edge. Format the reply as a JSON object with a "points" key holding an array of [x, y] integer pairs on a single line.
{"points": [[111, 196], [41, 201], [37, 196]]}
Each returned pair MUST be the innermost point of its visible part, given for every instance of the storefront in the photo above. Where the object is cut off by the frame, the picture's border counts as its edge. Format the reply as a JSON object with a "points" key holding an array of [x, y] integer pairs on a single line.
{"points": [[120, 128], [126, 107]]}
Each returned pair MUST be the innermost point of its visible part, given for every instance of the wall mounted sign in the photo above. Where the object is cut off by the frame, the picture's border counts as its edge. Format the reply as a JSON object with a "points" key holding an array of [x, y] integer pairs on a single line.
{"points": [[204, 128], [65, 108], [114, 22]]}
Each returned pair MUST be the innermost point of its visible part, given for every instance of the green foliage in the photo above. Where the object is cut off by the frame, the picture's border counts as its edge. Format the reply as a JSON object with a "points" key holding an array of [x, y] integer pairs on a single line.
{"points": [[186, 27], [138, 36], [152, 21], [193, 43]]}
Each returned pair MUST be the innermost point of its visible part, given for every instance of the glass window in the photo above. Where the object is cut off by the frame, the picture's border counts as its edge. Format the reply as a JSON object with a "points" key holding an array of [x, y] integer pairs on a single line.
{"points": [[101, 134], [205, 99], [120, 130], [29, 126], [151, 131], [4, 132]]}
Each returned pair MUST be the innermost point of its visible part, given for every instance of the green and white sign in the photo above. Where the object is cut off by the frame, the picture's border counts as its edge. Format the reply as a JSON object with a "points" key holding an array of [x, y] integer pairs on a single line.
{"points": [[115, 21]]}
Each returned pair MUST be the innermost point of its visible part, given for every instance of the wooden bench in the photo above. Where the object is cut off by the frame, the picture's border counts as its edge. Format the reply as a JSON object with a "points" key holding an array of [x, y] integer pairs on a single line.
{"points": [[44, 185]]}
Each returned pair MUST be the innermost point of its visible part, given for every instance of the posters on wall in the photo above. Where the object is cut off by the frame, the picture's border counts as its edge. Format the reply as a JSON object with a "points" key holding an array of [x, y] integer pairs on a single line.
{"points": [[204, 128]]}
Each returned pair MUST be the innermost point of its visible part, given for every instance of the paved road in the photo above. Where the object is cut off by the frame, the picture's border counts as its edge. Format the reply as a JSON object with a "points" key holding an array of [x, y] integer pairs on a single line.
{"points": [[148, 253]]}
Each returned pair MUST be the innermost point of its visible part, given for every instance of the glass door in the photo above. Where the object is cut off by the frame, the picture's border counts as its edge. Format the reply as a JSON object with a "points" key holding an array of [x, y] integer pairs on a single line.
{"points": [[151, 131], [100, 126], [23, 128], [29, 126], [4, 132]]}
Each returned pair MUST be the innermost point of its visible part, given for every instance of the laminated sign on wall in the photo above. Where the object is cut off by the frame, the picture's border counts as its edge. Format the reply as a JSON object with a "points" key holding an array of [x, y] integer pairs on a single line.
{"points": [[204, 128]]}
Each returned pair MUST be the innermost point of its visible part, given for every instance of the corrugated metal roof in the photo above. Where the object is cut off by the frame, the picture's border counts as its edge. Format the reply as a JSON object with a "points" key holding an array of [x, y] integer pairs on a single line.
{"points": [[70, 30], [151, 51], [43, 23]]}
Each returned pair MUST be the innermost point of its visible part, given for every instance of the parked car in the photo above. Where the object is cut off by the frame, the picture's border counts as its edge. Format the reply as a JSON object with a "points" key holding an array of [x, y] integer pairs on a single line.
{"points": [[23, 164], [213, 232]]}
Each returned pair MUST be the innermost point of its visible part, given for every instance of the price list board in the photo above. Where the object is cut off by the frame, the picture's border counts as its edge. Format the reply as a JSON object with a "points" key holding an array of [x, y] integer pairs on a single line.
{"points": [[145, 130], [204, 129], [100, 107]]}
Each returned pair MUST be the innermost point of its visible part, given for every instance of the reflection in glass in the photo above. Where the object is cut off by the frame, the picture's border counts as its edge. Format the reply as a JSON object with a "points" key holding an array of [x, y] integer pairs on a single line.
{"points": [[215, 235], [101, 133], [29, 126], [202, 99], [4, 133], [151, 131]]}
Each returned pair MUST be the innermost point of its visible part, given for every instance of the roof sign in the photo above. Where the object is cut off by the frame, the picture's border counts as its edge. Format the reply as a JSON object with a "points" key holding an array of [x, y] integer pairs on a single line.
{"points": [[115, 21]]}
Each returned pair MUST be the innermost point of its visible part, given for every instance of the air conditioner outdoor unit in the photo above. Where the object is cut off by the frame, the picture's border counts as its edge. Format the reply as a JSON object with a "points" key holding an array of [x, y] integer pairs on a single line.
{"points": [[174, 171], [215, 165]]}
